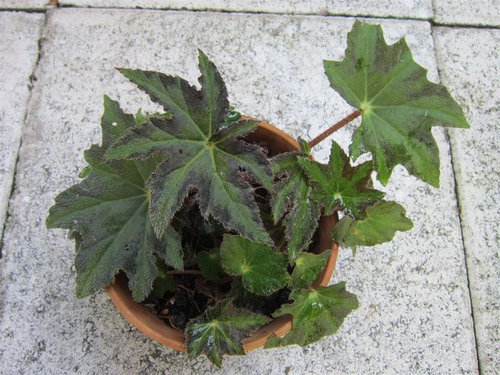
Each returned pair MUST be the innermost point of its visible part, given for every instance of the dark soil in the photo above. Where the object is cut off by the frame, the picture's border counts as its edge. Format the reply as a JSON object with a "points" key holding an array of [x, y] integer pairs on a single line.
{"points": [[176, 308], [195, 295]]}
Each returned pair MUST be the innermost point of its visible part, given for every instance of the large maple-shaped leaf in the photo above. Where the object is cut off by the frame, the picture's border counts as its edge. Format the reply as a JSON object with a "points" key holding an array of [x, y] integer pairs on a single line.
{"points": [[316, 313], [107, 214], [291, 199], [204, 152], [340, 184], [399, 105], [381, 223], [220, 331], [262, 270]]}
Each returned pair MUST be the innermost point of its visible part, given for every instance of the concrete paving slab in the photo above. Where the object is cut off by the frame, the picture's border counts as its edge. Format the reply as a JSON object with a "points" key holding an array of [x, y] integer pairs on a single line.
{"points": [[415, 313], [473, 75], [458, 12], [18, 53], [23, 4], [419, 9]]}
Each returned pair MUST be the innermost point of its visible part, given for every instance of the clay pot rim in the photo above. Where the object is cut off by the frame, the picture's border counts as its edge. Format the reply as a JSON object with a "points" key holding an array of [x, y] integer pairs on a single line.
{"points": [[148, 323]]}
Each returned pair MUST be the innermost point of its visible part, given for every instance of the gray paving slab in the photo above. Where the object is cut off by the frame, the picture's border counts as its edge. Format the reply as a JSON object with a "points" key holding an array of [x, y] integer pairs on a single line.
{"points": [[18, 53], [420, 9], [415, 312], [459, 12], [23, 4], [473, 75]]}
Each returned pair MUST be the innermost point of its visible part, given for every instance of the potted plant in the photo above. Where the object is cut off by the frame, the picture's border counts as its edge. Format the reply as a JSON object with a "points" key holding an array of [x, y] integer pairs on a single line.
{"points": [[218, 223]]}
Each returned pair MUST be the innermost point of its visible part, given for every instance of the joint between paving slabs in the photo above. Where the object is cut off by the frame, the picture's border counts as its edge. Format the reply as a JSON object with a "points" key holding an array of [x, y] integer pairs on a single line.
{"points": [[319, 13], [463, 25], [456, 190], [31, 86]]}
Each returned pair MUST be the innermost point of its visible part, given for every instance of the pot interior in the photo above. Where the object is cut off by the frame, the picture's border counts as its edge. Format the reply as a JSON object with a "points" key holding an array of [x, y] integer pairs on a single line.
{"points": [[276, 141]]}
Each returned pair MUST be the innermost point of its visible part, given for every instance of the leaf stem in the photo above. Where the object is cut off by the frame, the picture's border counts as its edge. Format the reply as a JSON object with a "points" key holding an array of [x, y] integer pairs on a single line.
{"points": [[334, 128], [185, 272], [227, 279]]}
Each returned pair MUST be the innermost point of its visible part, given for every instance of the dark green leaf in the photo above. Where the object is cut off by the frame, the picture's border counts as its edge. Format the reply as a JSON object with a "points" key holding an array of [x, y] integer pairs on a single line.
{"points": [[242, 298], [220, 331], [262, 271], [339, 184], [163, 283], [316, 313], [140, 118], [308, 266], [232, 116], [107, 213], [342, 229], [170, 249], [234, 130], [381, 223], [291, 199], [399, 104], [84, 172], [209, 264], [196, 114], [114, 122], [204, 153], [304, 146]]}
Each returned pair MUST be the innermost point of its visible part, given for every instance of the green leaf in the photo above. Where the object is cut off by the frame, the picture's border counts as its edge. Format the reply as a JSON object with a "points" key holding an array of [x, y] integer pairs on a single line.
{"points": [[242, 298], [339, 184], [204, 152], [342, 229], [220, 331], [107, 214], [140, 118], [234, 130], [308, 266], [262, 271], [196, 114], [163, 283], [291, 199], [84, 172], [114, 122], [399, 104], [381, 223], [232, 116], [304, 146], [316, 313], [209, 264], [170, 249]]}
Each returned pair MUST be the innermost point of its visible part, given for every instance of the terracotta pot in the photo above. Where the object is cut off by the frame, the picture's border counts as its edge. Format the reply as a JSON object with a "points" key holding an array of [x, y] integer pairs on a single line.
{"points": [[149, 324]]}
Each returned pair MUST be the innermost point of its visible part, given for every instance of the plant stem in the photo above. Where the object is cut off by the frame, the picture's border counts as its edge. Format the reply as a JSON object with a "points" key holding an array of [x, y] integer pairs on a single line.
{"points": [[334, 128], [185, 272], [227, 279]]}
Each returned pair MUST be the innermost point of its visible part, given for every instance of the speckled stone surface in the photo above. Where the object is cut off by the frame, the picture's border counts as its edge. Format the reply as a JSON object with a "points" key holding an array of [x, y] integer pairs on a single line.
{"points": [[420, 9], [18, 53], [23, 4], [453, 12], [415, 312], [473, 76]]}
